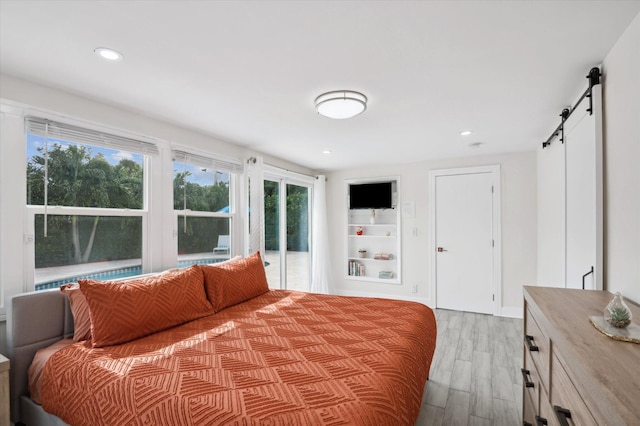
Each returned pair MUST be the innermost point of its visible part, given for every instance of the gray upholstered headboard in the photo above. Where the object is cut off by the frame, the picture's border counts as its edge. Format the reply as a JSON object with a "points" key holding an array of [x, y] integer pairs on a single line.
{"points": [[34, 320]]}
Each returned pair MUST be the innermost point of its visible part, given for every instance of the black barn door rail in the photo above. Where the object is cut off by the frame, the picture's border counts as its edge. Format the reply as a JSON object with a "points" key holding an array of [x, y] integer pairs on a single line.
{"points": [[594, 79]]}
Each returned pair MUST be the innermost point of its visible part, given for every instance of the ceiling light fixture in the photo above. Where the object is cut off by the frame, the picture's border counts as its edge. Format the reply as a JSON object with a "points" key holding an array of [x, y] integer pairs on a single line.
{"points": [[326, 151], [465, 132], [108, 54], [341, 104]]}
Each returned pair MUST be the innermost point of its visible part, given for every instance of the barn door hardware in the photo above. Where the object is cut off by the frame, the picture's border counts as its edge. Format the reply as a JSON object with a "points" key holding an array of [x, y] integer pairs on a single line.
{"points": [[594, 79]]}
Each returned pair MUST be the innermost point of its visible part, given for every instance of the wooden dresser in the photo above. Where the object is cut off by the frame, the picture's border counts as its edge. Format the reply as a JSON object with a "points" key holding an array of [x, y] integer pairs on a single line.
{"points": [[4, 391], [573, 374]]}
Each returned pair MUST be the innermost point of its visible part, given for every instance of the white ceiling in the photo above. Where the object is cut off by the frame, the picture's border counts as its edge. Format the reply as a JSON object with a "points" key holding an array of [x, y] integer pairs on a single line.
{"points": [[248, 71]]}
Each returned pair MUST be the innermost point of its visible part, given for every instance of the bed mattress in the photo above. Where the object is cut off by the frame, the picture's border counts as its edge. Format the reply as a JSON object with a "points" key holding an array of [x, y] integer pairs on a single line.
{"points": [[281, 358]]}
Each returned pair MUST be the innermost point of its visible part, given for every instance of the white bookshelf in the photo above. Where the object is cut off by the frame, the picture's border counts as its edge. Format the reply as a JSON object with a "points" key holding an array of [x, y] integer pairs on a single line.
{"points": [[381, 237]]}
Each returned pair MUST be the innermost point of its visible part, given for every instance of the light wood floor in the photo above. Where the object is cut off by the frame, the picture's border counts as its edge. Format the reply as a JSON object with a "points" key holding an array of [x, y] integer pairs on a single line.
{"points": [[475, 376]]}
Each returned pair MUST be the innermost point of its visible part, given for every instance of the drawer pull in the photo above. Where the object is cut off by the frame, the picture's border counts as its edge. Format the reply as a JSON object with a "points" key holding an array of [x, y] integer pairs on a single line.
{"points": [[527, 383], [541, 421], [532, 347], [562, 414]]}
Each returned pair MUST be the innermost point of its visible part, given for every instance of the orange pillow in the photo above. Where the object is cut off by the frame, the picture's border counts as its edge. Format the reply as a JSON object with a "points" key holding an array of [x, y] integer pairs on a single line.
{"points": [[79, 310], [122, 311], [234, 281]]}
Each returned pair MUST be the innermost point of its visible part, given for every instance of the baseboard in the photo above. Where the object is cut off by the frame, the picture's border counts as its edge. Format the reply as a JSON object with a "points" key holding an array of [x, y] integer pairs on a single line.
{"points": [[341, 292], [511, 312]]}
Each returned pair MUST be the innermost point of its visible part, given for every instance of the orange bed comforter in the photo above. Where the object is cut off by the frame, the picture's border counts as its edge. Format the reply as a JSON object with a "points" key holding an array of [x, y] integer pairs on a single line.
{"points": [[282, 358]]}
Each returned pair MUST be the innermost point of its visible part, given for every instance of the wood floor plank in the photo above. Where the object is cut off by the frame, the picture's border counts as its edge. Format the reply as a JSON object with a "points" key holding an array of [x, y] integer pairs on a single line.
{"points": [[430, 416], [481, 398], [505, 413], [479, 421], [465, 349], [481, 365], [461, 376], [456, 413], [438, 388]]}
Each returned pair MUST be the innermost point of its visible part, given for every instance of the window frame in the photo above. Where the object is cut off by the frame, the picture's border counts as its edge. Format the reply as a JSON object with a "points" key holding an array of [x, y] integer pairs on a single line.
{"points": [[234, 179], [32, 210]]}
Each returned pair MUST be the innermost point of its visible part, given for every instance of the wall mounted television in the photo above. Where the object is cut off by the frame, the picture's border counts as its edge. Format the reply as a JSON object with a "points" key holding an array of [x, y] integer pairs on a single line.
{"points": [[378, 195]]}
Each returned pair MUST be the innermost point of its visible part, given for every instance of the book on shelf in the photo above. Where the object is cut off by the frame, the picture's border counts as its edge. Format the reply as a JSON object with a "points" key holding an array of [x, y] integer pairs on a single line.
{"points": [[385, 274], [356, 269], [383, 256]]}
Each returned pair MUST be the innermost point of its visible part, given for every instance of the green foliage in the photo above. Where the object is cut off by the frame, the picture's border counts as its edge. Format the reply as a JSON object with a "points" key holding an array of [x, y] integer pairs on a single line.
{"points": [[202, 198], [77, 178], [619, 314], [297, 217], [116, 238], [201, 234]]}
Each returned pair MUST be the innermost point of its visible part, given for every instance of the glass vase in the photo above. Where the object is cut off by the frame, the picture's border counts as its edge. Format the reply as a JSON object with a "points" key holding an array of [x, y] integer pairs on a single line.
{"points": [[617, 313]]}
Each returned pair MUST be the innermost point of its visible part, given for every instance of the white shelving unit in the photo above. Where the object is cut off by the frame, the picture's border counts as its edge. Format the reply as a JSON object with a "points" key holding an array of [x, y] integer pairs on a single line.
{"points": [[379, 238]]}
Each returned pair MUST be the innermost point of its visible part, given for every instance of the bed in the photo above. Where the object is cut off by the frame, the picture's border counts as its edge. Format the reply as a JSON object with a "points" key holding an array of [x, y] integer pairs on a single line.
{"points": [[282, 357]]}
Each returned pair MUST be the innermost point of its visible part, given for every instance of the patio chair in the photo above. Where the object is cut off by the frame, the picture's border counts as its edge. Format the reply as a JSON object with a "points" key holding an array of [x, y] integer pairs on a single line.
{"points": [[223, 244]]}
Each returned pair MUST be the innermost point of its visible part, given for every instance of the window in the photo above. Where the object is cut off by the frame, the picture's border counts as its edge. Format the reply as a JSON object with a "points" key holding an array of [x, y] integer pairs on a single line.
{"points": [[85, 203], [203, 203]]}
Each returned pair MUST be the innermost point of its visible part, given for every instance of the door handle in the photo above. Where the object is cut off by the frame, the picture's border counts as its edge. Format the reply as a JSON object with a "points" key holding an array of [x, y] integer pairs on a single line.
{"points": [[586, 275], [441, 249]]}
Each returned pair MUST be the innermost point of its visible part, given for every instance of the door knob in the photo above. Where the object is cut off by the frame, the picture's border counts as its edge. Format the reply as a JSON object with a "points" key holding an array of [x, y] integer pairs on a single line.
{"points": [[441, 249]]}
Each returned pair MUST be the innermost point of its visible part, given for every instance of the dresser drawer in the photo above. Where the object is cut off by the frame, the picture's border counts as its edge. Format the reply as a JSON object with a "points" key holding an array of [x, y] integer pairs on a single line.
{"points": [[531, 382], [528, 412], [537, 346], [565, 398], [547, 416]]}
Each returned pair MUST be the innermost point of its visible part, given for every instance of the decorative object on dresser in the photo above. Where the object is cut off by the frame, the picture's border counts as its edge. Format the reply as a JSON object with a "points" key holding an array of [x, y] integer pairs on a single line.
{"points": [[617, 312], [573, 374]]}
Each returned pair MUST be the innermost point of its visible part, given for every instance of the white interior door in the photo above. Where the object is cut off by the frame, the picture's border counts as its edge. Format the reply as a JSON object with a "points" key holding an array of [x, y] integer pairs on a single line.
{"points": [[551, 215], [464, 237], [583, 197]]}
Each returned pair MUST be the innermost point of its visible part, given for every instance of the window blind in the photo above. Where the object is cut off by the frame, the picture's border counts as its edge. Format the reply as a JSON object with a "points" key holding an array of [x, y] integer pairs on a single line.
{"points": [[55, 130], [220, 164]]}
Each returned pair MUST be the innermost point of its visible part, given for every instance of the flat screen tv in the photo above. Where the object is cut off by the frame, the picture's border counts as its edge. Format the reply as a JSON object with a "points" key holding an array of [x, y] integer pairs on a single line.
{"points": [[376, 195]]}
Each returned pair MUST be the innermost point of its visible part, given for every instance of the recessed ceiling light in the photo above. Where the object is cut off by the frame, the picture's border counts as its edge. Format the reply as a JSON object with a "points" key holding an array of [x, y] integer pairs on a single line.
{"points": [[326, 151], [108, 54], [465, 132]]}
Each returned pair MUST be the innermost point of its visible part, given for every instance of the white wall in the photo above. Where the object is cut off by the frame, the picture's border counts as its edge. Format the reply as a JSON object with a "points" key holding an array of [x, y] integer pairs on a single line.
{"points": [[77, 107], [518, 172], [621, 70]]}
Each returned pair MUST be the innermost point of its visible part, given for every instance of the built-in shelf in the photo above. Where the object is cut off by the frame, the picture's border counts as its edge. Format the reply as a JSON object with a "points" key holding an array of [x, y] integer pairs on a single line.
{"points": [[383, 236]]}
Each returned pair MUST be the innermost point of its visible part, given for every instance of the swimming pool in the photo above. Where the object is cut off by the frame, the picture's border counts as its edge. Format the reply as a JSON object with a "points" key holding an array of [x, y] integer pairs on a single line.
{"points": [[114, 274]]}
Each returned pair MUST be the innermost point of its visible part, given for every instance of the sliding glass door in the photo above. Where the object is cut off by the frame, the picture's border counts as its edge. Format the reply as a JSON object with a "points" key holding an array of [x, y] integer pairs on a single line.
{"points": [[272, 254], [287, 224]]}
